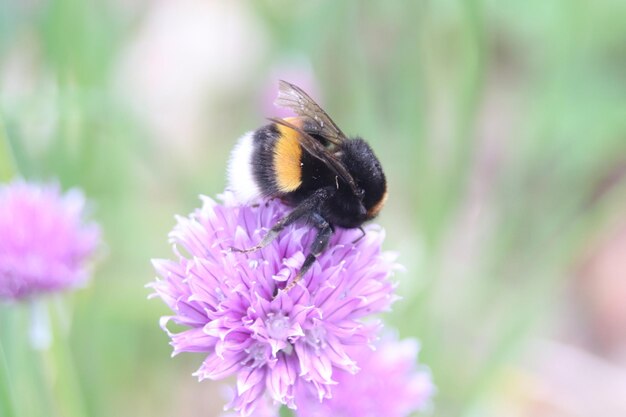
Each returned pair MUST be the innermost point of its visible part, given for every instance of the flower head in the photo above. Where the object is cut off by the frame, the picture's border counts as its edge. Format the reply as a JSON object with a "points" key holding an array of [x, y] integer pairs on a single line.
{"points": [[389, 384], [44, 242], [270, 339]]}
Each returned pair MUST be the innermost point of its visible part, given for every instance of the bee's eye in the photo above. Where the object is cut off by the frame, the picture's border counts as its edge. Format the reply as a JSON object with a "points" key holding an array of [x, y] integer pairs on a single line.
{"points": [[360, 192]]}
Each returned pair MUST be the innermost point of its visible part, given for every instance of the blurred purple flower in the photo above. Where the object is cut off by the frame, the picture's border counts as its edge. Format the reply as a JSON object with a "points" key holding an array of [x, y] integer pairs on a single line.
{"points": [[296, 70], [389, 384], [44, 243], [227, 299]]}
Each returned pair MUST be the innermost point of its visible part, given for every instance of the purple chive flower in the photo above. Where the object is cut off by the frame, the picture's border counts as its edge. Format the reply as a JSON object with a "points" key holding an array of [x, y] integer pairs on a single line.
{"points": [[265, 407], [271, 342], [389, 384], [44, 241]]}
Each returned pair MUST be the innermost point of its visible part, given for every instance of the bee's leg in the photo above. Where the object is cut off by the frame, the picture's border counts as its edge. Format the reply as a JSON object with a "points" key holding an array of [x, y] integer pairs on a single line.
{"points": [[273, 233], [324, 232], [302, 210], [268, 200], [360, 237]]}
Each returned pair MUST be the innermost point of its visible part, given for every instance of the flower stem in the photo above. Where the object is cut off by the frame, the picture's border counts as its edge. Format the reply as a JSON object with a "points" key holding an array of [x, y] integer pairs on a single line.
{"points": [[7, 401], [7, 164], [58, 368], [285, 412]]}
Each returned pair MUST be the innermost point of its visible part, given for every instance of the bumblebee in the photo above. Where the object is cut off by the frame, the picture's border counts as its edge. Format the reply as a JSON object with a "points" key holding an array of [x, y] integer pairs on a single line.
{"points": [[330, 180]]}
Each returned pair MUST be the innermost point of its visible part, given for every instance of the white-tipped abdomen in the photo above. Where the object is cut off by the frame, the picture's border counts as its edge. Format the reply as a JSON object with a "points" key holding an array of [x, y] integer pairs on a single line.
{"points": [[240, 177]]}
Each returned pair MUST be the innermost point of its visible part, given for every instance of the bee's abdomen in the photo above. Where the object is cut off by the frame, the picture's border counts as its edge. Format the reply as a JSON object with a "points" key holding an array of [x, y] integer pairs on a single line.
{"points": [[270, 162], [276, 161], [287, 160], [263, 159], [265, 163], [241, 176]]}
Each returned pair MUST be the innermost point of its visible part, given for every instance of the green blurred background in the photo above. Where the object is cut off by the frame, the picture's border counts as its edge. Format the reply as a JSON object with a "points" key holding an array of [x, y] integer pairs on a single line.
{"points": [[501, 126]]}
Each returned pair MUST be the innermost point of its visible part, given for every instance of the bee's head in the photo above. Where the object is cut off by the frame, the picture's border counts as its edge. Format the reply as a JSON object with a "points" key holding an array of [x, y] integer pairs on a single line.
{"points": [[362, 164]]}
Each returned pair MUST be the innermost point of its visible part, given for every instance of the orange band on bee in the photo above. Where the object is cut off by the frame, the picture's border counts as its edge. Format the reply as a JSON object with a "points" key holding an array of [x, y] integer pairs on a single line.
{"points": [[373, 212], [296, 121], [287, 158]]}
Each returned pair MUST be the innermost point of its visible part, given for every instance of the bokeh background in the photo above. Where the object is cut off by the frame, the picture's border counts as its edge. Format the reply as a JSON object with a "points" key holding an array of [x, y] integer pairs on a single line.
{"points": [[501, 125]]}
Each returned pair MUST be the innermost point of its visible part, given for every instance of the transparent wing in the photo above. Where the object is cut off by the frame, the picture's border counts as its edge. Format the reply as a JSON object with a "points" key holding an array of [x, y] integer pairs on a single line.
{"points": [[293, 97]]}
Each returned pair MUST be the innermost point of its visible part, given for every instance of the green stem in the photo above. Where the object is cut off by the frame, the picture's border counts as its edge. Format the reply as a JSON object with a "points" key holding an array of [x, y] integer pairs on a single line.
{"points": [[285, 412], [7, 396], [7, 163], [59, 371]]}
